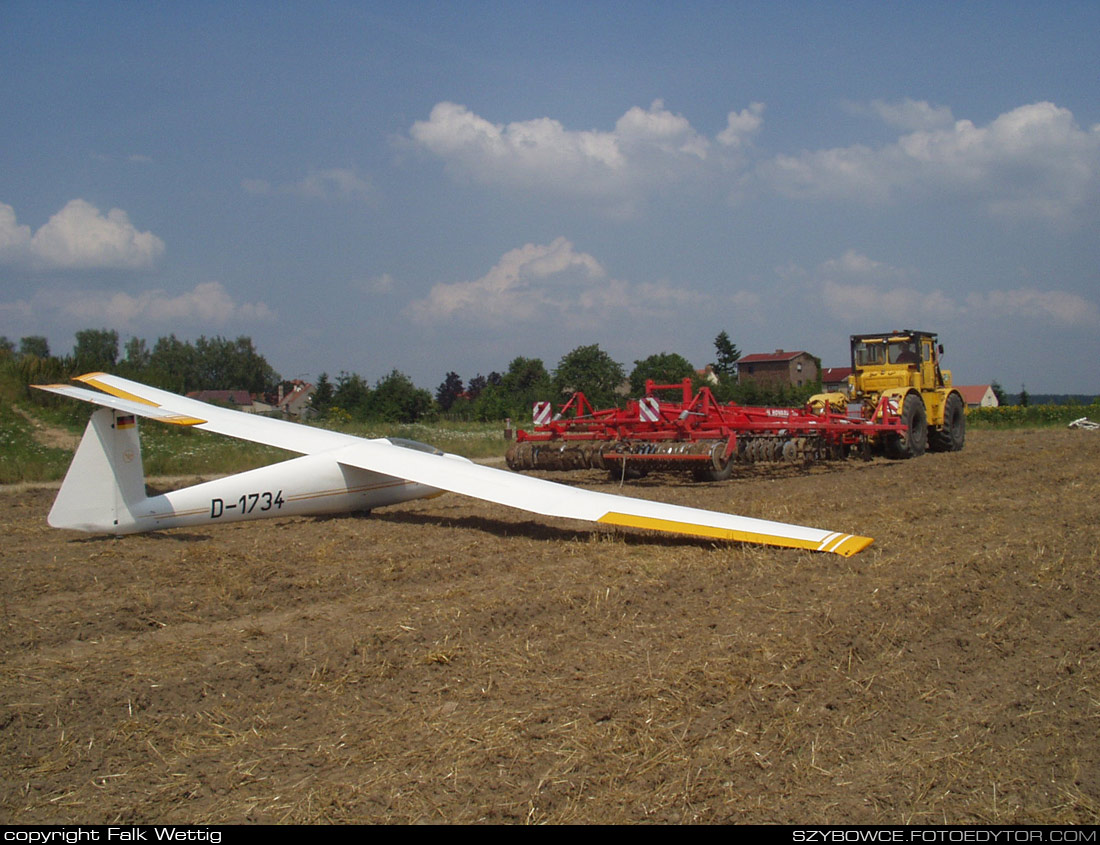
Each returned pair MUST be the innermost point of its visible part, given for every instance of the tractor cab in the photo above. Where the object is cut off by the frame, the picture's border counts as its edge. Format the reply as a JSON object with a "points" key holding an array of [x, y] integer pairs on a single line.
{"points": [[896, 359]]}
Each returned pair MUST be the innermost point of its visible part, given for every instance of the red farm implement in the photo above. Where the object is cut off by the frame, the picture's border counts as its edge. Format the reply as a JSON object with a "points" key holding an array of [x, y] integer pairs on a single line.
{"points": [[697, 434]]}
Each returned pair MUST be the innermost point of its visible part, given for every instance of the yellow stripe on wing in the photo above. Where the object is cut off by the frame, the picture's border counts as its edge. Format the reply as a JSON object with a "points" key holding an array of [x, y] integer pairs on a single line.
{"points": [[841, 544], [169, 417], [90, 378]]}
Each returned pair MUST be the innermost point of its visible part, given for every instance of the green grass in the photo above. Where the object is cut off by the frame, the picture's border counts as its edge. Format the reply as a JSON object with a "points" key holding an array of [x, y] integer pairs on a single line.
{"points": [[1030, 416], [22, 458]]}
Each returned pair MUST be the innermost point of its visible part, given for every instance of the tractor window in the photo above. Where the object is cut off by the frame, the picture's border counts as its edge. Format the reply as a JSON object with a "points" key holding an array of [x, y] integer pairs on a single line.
{"points": [[905, 352], [866, 354]]}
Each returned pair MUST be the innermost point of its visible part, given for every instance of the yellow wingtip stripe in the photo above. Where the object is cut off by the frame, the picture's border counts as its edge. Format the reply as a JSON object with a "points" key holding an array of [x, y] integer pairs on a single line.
{"points": [[174, 419], [90, 378], [181, 420], [841, 544]]}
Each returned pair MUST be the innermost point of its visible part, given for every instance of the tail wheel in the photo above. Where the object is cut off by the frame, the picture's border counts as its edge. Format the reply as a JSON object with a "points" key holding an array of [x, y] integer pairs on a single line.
{"points": [[913, 443], [951, 436]]}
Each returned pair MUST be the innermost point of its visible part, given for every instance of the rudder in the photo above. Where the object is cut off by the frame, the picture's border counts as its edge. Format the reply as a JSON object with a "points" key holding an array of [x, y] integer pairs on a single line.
{"points": [[105, 481]]}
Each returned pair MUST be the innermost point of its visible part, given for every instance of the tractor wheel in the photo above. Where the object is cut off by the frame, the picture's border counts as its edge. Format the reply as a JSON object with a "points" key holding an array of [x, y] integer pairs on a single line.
{"points": [[913, 443], [951, 436]]}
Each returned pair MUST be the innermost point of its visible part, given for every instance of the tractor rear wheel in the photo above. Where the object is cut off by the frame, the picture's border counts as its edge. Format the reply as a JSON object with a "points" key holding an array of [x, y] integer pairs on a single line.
{"points": [[951, 436], [913, 443]]}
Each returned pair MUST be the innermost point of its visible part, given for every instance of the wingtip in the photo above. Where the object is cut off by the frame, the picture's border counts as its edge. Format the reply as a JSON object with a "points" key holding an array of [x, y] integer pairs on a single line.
{"points": [[851, 545]]}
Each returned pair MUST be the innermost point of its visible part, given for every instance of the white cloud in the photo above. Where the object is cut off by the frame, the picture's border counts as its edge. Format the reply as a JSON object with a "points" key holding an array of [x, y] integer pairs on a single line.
{"points": [[648, 148], [79, 237], [332, 183], [1032, 161], [553, 283], [15, 240], [1051, 305], [208, 303], [527, 281], [912, 115], [855, 285], [741, 126]]}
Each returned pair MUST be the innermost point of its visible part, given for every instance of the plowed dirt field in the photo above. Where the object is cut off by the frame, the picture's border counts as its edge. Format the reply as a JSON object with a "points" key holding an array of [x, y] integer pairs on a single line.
{"points": [[452, 661]]}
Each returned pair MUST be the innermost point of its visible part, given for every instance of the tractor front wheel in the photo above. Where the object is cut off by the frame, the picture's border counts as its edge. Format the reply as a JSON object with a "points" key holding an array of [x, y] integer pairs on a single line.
{"points": [[913, 443], [951, 436]]}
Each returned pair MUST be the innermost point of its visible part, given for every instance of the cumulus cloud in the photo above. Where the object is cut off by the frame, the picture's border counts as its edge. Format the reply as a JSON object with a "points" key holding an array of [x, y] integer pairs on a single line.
{"points": [[646, 149], [741, 126], [855, 285], [541, 283], [331, 184], [79, 237], [912, 115], [524, 282], [1032, 161], [1051, 305], [208, 303]]}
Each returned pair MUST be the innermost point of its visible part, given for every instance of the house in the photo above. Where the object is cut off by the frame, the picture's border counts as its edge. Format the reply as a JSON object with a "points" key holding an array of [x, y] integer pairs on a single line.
{"points": [[835, 379], [978, 395], [708, 375], [778, 368], [293, 398]]}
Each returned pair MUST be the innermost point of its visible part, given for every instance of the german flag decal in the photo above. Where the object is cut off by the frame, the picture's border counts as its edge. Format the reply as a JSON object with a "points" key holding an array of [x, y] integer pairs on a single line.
{"points": [[125, 421]]}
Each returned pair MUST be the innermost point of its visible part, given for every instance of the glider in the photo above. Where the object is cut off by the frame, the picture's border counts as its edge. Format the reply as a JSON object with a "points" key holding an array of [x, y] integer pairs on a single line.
{"points": [[104, 489]]}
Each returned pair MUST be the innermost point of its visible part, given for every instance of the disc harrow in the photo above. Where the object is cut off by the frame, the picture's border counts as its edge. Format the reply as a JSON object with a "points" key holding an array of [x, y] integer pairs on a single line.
{"points": [[697, 434]]}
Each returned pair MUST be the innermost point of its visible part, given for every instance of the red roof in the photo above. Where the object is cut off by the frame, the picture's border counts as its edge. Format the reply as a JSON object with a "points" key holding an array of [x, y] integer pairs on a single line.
{"points": [[765, 357], [831, 374], [972, 394]]}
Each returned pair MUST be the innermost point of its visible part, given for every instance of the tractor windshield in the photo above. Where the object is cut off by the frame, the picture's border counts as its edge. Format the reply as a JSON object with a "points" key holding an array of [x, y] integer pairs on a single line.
{"points": [[904, 352], [867, 353]]}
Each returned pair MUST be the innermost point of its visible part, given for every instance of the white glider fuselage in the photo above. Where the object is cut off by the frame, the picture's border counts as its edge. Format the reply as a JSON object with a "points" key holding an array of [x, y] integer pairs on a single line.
{"points": [[104, 490]]}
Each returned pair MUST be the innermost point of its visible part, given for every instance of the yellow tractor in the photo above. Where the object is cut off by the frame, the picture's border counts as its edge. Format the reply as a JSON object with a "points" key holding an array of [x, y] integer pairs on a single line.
{"points": [[896, 376]]}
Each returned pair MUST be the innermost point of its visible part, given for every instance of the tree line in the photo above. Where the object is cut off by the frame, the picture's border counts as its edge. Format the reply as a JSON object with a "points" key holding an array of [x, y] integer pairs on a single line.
{"points": [[171, 363], [220, 363]]}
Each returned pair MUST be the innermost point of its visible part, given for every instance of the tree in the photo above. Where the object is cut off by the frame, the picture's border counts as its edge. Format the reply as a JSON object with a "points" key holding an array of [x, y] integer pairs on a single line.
{"points": [[727, 355], [173, 365], [477, 384], [138, 355], [663, 368], [322, 397], [999, 392], [7, 347], [35, 346], [396, 399], [449, 391], [1025, 397], [96, 349], [590, 369], [352, 395]]}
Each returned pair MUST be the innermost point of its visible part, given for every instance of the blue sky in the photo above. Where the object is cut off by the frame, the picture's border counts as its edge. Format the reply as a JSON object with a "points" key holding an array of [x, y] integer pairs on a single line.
{"points": [[446, 186]]}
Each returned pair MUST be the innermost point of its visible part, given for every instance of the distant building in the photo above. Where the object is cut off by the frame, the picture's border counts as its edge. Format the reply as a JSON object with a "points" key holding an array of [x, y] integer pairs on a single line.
{"points": [[978, 395], [707, 374], [778, 368], [835, 379], [293, 397]]}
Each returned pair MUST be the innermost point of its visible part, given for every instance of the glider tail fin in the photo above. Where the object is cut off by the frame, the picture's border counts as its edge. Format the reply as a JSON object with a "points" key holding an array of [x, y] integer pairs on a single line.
{"points": [[105, 481]]}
